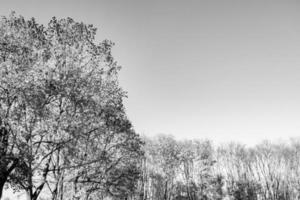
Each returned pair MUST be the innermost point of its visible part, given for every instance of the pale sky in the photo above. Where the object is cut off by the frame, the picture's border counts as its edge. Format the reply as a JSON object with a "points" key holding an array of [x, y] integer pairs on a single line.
{"points": [[223, 70]]}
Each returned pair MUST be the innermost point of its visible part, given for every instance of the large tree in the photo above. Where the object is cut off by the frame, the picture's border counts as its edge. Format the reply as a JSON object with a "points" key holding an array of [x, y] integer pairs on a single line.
{"points": [[61, 110]]}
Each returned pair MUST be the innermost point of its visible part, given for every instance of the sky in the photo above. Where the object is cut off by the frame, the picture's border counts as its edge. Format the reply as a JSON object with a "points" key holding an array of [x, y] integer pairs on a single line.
{"points": [[219, 70]]}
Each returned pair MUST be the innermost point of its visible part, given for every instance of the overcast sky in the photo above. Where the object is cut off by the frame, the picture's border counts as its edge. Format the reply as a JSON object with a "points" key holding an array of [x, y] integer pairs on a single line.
{"points": [[223, 70]]}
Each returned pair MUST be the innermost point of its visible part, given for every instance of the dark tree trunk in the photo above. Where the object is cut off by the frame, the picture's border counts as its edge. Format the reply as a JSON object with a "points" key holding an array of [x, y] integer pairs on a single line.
{"points": [[7, 163], [166, 191], [3, 179], [5, 172]]}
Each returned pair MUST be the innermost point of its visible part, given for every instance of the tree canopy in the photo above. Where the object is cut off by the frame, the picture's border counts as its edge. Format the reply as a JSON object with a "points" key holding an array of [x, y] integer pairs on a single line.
{"points": [[62, 118]]}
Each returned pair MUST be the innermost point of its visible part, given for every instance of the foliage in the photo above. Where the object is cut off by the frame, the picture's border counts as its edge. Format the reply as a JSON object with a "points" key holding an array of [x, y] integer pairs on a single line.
{"points": [[62, 105]]}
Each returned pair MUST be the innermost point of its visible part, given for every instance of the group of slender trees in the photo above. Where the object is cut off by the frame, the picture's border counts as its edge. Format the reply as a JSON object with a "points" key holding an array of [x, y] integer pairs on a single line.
{"points": [[197, 170], [64, 133]]}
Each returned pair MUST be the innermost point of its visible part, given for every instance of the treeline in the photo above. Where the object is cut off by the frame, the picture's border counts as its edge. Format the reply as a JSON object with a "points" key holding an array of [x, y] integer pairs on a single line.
{"points": [[195, 170]]}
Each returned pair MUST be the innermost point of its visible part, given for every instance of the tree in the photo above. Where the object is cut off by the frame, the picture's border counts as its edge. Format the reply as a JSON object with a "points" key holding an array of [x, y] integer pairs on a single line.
{"points": [[178, 170], [17, 58], [159, 167], [197, 160], [61, 105]]}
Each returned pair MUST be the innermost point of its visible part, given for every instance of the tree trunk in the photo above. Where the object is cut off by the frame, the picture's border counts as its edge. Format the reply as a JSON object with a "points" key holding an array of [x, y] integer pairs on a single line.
{"points": [[166, 191], [3, 180], [29, 194], [4, 173], [5, 168], [62, 189]]}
